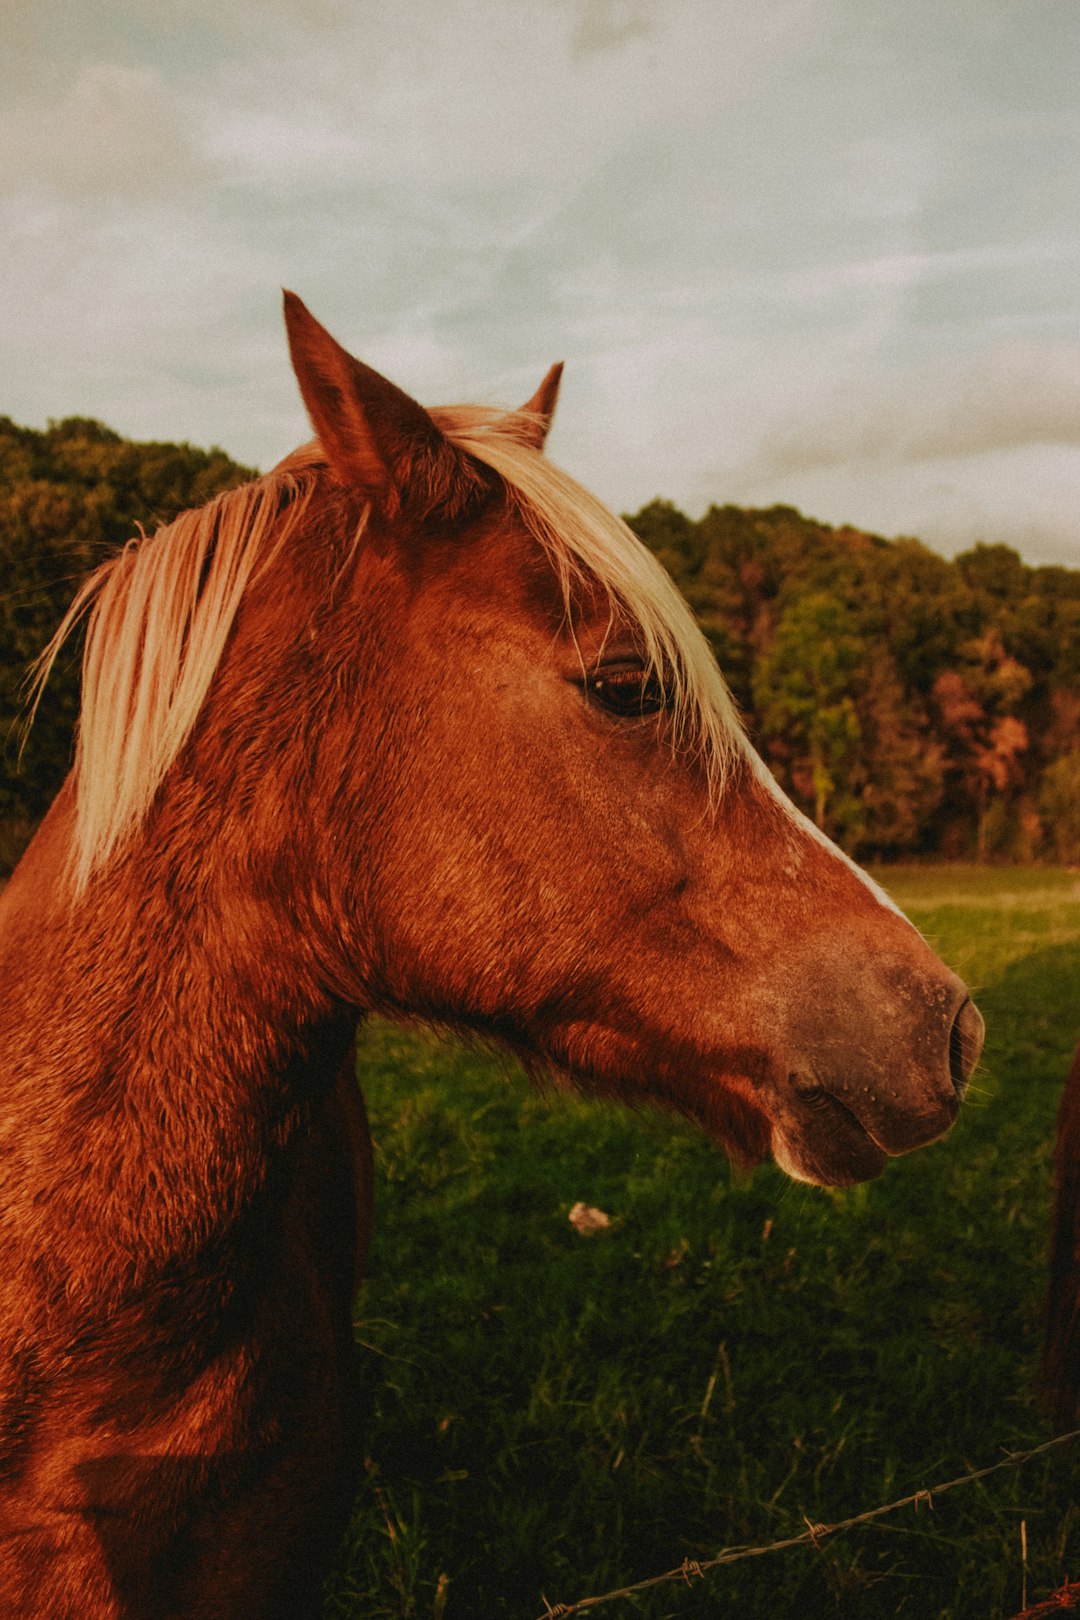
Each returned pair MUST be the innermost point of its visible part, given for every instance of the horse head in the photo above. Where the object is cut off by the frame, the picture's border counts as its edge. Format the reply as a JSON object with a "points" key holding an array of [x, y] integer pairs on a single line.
{"points": [[419, 710], [554, 831]]}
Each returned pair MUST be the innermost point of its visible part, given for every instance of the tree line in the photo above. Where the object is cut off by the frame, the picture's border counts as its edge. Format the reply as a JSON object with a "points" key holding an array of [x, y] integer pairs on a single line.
{"points": [[911, 705]]}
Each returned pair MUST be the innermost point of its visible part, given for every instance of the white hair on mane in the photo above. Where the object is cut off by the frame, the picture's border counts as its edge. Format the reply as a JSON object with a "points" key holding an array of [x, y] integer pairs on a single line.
{"points": [[159, 614], [584, 539]]}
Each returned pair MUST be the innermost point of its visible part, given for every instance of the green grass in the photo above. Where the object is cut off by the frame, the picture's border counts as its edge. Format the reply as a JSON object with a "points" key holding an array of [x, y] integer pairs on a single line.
{"points": [[551, 1415]]}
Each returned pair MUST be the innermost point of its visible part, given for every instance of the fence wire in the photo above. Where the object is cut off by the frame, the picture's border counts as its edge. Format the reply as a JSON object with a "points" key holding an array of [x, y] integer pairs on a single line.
{"points": [[692, 1569]]}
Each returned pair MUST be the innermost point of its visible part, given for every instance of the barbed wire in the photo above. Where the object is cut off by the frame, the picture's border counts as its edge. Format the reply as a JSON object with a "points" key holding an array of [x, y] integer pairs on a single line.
{"points": [[692, 1569], [1066, 1597]]}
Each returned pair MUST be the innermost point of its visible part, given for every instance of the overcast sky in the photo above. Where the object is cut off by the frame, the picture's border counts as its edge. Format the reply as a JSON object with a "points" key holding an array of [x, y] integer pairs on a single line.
{"points": [[824, 252]]}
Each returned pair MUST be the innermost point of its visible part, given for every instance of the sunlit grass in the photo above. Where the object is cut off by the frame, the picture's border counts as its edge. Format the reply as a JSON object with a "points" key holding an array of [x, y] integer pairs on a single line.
{"points": [[551, 1414]]}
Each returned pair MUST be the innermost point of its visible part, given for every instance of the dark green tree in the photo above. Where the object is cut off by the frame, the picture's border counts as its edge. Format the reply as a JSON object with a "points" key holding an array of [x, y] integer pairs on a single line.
{"points": [[806, 710]]}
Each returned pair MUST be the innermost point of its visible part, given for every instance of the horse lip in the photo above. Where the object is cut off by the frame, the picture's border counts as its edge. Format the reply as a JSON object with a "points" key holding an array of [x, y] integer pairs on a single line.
{"points": [[833, 1148], [849, 1114], [916, 1129]]}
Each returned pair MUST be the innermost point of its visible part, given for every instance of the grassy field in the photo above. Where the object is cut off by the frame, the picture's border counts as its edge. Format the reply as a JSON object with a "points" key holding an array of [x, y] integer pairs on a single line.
{"points": [[552, 1415]]}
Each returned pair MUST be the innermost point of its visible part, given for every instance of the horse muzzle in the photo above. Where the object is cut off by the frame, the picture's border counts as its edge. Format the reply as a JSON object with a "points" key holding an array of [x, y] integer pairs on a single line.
{"points": [[839, 1114]]}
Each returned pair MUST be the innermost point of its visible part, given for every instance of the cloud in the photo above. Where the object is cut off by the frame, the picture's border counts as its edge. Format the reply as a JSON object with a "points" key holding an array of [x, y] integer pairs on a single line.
{"points": [[605, 23], [116, 132], [1014, 396], [779, 246], [914, 269]]}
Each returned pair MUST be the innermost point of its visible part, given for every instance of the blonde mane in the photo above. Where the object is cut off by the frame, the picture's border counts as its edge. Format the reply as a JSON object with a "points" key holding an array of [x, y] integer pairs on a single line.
{"points": [[159, 615], [583, 539]]}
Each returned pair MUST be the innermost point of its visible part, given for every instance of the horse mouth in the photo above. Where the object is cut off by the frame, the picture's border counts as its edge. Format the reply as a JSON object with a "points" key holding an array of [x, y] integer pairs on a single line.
{"points": [[826, 1144]]}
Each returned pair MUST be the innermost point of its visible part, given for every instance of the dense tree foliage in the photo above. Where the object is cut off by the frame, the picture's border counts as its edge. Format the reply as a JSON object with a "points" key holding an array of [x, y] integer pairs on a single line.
{"points": [[909, 704]]}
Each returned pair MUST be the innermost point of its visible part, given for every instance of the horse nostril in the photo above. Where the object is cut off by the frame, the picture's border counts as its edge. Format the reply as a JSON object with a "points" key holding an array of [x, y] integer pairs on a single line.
{"points": [[965, 1044]]}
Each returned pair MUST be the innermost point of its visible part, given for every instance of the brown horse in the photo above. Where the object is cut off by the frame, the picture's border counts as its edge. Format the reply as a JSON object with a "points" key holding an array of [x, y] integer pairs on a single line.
{"points": [[410, 725], [1061, 1352]]}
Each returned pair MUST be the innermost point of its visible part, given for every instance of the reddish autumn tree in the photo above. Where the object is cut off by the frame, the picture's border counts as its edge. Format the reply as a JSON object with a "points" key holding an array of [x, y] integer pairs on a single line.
{"points": [[977, 707]]}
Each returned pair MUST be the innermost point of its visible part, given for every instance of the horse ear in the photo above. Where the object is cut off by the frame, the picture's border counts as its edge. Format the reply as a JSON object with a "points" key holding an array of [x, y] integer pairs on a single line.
{"points": [[535, 415], [376, 437]]}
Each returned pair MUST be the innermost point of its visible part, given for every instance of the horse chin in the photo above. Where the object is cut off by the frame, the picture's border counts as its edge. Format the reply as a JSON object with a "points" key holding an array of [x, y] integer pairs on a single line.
{"points": [[821, 1142], [836, 1152]]}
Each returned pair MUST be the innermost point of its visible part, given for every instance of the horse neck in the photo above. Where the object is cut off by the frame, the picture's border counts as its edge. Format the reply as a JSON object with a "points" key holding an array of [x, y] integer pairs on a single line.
{"points": [[192, 1014], [203, 960]]}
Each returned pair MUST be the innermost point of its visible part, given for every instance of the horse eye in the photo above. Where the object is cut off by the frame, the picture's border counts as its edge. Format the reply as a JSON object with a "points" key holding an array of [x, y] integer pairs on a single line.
{"points": [[628, 693]]}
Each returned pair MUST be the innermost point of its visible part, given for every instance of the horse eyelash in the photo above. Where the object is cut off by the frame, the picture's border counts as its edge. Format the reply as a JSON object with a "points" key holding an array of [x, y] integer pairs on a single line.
{"points": [[645, 678]]}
